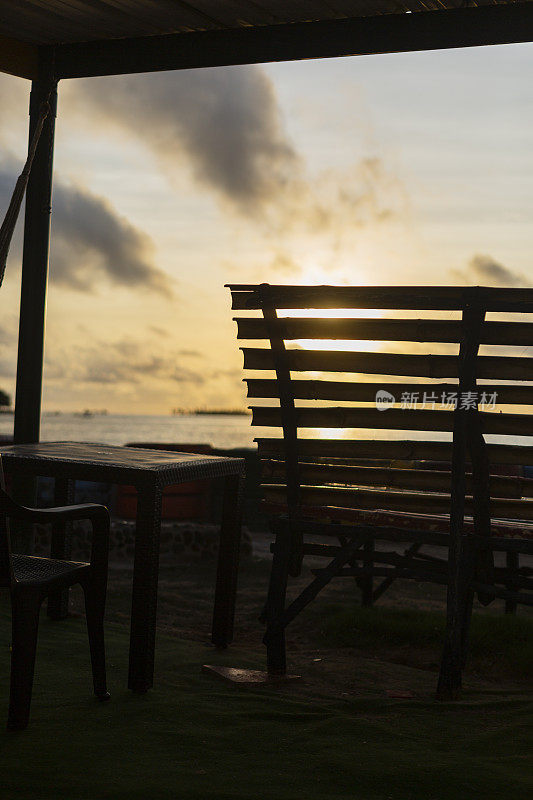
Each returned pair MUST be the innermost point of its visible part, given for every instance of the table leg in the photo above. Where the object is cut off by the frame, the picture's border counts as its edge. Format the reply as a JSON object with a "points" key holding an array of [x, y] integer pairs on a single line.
{"points": [[61, 545], [228, 562], [144, 595]]}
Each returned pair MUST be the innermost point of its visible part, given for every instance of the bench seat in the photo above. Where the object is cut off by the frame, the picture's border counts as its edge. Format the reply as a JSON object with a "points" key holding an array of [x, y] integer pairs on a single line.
{"points": [[398, 519]]}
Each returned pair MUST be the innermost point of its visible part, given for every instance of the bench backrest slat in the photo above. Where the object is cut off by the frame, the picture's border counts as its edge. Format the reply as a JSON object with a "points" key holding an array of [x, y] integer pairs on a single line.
{"points": [[392, 330], [317, 331], [410, 298]]}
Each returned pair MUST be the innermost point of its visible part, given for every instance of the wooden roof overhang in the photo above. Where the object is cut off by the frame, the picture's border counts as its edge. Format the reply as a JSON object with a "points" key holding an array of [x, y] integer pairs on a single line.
{"points": [[83, 38]]}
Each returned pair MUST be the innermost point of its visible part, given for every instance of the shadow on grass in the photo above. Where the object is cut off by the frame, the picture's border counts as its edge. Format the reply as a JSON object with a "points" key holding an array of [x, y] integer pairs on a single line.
{"points": [[195, 738], [503, 643]]}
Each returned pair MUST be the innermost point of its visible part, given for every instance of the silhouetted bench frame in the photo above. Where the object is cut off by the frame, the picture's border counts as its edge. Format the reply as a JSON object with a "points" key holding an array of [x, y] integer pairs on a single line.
{"points": [[304, 495]]}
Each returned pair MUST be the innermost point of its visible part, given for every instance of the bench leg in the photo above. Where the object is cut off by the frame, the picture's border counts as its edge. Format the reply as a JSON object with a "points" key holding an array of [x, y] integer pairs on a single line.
{"points": [[274, 637], [449, 684], [470, 567], [459, 610]]}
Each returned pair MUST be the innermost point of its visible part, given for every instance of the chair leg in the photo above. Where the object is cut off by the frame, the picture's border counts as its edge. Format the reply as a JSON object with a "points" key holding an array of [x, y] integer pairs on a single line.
{"points": [[25, 624], [94, 610], [274, 637]]}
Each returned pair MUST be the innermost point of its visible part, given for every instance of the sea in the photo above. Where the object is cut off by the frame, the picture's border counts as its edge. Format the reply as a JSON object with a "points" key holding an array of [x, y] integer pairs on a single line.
{"points": [[223, 431]]}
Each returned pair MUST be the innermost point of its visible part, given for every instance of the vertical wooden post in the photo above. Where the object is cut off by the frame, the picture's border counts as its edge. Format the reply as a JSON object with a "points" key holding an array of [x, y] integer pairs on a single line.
{"points": [[35, 264], [274, 637], [459, 595], [33, 289], [449, 684]]}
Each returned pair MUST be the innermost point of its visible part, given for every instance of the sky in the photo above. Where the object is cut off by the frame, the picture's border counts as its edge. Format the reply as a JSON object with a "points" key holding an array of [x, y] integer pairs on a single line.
{"points": [[408, 168]]}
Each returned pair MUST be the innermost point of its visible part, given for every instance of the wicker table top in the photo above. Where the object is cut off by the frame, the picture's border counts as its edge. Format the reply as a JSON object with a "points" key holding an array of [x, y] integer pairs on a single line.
{"points": [[116, 464]]}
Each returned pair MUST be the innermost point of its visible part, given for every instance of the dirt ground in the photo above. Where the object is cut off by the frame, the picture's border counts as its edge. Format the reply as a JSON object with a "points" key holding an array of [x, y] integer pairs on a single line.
{"points": [[380, 666]]}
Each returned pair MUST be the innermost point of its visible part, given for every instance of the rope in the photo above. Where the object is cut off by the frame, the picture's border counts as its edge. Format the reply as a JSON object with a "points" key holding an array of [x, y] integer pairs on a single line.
{"points": [[11, 217]]}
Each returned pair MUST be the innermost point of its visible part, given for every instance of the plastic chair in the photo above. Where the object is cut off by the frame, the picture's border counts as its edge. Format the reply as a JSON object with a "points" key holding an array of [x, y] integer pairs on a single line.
{"points": [[31, 579]]}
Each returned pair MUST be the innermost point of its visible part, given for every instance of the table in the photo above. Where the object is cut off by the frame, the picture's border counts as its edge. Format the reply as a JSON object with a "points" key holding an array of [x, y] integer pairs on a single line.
{"points": [[149, 471]]}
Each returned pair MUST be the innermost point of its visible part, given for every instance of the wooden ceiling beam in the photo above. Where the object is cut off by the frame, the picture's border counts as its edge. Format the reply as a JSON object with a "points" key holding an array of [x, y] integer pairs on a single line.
{"points": [[432, 30], [18, 58]]}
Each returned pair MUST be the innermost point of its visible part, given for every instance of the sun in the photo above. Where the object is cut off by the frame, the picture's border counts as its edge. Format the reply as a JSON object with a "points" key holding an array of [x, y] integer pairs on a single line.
{"points": [[316, 275]]}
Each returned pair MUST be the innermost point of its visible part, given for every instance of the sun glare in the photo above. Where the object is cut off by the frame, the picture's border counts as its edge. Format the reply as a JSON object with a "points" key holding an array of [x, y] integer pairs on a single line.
{"points": [[353, 345]]}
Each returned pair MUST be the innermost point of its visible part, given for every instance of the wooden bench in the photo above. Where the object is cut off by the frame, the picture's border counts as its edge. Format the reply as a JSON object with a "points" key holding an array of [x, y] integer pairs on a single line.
{"points": [[339, 469]]}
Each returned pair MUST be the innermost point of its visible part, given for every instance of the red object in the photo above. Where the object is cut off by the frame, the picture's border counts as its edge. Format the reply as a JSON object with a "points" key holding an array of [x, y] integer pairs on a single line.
{"points": [[181, 501]]}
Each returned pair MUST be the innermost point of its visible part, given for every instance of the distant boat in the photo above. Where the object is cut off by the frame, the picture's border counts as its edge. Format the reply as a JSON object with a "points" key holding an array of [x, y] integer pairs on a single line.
{"points": [[97, 412]]}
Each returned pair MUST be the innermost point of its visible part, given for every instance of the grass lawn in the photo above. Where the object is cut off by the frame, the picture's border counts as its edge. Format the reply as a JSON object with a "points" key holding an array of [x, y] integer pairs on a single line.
{"points": [[193, 737], [499, 645]]}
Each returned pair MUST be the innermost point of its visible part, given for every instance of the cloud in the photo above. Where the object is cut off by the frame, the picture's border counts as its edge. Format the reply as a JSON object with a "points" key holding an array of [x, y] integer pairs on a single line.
{"points": [[366, 193], [8, 347], [8, 179], [8, 359], [284, 264], [91, 241], [227, 126], [224, 123], [137, 373], [486, 270], [126, 362], [14, 100], [164, 334], [8, 368], [9, 330]]}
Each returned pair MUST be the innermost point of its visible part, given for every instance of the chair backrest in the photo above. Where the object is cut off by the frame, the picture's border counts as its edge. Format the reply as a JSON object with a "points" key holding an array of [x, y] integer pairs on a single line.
{"points": [[6, 570], [458, 358]]}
